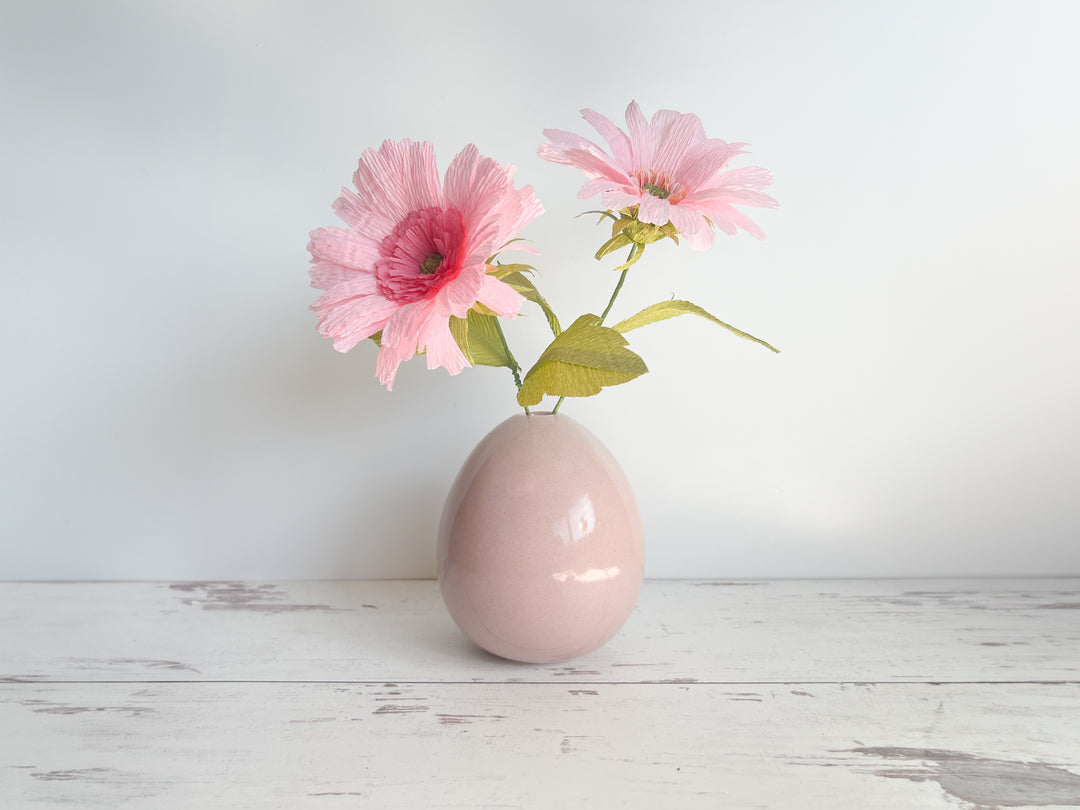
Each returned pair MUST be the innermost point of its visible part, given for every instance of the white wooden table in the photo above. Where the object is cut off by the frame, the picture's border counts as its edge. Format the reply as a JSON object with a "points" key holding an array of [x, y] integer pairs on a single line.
{"points": [[845, 694]]}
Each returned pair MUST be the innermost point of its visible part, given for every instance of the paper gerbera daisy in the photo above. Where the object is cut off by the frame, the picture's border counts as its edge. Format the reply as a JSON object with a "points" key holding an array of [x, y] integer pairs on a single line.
{"points": [[415, 252], [665, 170]]}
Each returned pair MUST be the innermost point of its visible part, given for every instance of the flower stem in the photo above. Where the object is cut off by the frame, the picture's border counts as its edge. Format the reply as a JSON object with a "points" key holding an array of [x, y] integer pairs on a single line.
{"points": [[607, 309], [614, 295], [515, 369]]}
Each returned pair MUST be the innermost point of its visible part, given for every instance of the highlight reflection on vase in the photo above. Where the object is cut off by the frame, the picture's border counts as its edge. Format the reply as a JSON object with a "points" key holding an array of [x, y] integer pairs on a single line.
{"points": [[578, 523]]}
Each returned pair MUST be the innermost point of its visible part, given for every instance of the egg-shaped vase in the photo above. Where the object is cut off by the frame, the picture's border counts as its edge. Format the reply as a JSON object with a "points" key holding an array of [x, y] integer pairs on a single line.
{"points": [[540, 548]]}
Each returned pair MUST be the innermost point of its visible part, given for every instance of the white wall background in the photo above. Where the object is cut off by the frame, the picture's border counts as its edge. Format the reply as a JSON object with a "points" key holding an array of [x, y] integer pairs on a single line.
{"points": [[169, 410]]}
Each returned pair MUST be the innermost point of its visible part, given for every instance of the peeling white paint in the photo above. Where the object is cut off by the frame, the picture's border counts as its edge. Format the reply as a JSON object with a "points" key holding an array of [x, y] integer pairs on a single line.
{"points": [[837, 695]]}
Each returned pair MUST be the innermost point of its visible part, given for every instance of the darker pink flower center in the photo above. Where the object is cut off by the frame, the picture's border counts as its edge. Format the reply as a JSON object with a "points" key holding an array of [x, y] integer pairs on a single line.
{"points": [[420, 255], [431, 264]]}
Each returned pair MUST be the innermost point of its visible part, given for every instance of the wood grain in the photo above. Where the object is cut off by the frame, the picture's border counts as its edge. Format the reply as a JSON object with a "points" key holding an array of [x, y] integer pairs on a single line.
{"points": [[617, 745], [363, 694], [842, 631]]}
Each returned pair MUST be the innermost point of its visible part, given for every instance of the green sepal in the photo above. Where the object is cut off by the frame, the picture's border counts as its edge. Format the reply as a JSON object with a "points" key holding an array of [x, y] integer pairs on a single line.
{"points": [[628, 229], [581, 361], [636, 252], [619, 240], [645, 233], [671, 309], [477, 335]]}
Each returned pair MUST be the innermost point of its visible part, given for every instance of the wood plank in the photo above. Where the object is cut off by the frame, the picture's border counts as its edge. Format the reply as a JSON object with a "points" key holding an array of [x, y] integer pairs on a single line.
{"points": [[850, 631], [182, 745]]}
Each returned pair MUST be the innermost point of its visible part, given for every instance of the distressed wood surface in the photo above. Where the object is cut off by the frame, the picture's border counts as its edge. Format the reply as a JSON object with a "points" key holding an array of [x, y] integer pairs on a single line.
{"points": [[785, 695], [828, 631]]}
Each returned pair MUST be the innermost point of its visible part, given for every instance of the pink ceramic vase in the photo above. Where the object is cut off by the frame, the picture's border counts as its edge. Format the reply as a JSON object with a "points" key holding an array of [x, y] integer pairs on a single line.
{"points": [[541, 552]]}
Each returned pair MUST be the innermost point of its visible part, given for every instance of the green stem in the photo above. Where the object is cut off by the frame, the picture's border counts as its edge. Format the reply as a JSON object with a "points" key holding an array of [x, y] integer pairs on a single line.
{"points": [[614, 295], [607, 309], [515, 369]]}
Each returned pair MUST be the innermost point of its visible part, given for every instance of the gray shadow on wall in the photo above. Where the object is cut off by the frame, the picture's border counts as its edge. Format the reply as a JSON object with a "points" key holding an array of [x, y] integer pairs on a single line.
{"points": [[305, 467]]}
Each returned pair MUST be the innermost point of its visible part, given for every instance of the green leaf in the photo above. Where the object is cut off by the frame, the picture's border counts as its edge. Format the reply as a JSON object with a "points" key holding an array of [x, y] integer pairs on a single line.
{"points": [[580, 361], [523, 285], [670, 309], [478, 337]]}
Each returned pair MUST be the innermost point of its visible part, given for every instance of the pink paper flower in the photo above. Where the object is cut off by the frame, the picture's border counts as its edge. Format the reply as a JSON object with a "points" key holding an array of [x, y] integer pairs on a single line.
{"points": [[415, 252], [668, 170]]}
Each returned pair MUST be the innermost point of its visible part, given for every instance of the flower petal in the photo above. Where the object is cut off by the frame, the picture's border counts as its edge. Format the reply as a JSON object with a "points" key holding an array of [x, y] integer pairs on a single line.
{"points": [[474, 184], [358, 284], [422, 186], [731, 196], [562, 142], [674, 135], [692, 227], [343, 246], [654, 210], [641, 142], [441, 348], [743, 221], [513, 219], [601, 185], [352, 320], [457, 297], [749, 176], [325, 275], [619, 198], [595, 166], [400, 338], [615, 137], [379, 179], [727, 218], [360, 216], [701, 163], [499, 297]]}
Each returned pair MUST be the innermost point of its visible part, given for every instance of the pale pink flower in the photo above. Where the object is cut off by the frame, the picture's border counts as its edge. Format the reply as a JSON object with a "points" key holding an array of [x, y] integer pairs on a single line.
{"points": [[415, 252], [668, 170]]}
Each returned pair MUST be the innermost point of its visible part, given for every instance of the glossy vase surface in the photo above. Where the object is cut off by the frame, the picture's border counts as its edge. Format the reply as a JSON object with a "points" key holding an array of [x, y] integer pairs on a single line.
{"points": [[541, 551]]}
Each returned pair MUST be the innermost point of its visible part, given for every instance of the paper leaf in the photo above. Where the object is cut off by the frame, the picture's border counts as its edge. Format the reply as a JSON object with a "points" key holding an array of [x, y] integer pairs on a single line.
{"points": [[501, 271], [671, 309], [477, 336], [523, 285], [582, 360]]}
